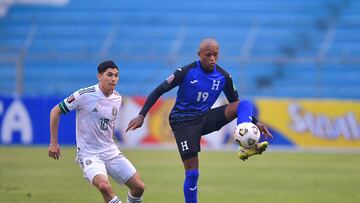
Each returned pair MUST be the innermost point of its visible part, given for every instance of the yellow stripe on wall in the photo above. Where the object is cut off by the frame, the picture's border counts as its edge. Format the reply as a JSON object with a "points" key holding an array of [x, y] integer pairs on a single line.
{"points": [[328, 123]]}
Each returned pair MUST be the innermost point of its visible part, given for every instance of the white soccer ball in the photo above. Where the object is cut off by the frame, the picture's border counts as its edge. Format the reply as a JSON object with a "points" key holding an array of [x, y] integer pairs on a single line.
{"points": [[246, 135]]}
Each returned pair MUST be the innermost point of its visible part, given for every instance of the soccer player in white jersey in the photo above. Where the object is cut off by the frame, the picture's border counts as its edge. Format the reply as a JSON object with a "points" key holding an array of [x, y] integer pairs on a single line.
{"points": [[97, 154]]}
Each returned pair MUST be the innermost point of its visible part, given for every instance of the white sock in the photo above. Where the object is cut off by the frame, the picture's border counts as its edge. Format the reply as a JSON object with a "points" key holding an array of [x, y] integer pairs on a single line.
{"points": [[115, 200], [132, 199]]}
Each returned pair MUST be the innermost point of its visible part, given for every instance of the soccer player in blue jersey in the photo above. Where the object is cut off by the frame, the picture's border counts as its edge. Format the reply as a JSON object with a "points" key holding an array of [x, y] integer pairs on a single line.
{"points": [[200, 84]]}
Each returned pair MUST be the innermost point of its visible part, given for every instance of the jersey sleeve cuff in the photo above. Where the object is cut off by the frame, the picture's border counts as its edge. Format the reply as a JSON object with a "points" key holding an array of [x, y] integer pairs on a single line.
{"points": [[64, 109]]}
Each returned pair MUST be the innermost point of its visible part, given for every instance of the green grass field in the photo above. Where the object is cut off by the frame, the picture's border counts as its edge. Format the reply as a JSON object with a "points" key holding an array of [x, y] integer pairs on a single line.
{"points": [[27, 175]]}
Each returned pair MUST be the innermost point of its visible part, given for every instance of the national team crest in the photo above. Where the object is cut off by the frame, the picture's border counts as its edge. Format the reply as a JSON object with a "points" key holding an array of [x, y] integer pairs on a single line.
{"points": [[114, 111], [88, 162]]}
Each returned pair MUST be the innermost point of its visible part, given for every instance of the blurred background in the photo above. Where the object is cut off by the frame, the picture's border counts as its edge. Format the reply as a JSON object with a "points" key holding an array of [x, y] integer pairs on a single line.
{"points": [[297, 60]]}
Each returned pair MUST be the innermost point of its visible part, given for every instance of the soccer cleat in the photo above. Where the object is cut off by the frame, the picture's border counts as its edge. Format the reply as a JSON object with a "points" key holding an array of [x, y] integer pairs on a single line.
{"points": [[246, 153]]}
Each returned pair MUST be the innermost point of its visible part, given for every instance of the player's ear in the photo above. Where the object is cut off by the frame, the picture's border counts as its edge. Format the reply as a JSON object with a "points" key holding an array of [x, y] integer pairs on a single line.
{"points": [[198, 53], [99, 76]]}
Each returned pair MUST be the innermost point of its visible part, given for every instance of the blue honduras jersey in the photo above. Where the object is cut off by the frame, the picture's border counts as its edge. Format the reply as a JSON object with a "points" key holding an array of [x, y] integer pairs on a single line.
{"points": [[198, 91]]}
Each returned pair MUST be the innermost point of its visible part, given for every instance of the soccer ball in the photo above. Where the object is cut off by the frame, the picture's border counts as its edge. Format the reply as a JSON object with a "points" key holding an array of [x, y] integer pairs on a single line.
{"points": [[246, 135]]}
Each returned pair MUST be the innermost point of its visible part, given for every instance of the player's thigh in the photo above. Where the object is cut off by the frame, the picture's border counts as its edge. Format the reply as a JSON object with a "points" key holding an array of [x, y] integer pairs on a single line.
{"points": [[215, 119], [120, 169], [91, 167]]}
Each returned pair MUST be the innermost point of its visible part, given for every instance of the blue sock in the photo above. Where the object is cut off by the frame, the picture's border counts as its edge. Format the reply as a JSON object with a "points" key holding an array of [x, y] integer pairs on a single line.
{"points": [[244, 112], [190, 186]]}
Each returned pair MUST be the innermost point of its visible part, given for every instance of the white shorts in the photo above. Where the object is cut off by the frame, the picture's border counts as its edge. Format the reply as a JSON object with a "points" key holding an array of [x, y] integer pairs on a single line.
{"points": [[118, 167]]}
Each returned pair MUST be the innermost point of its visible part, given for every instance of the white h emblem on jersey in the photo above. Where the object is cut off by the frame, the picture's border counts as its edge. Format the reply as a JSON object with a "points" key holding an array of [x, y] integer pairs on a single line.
{"points": [[215, 85], [184, 146]]}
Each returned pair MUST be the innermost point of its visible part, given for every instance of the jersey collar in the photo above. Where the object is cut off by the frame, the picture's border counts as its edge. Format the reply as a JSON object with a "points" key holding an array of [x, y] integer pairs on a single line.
{"points": [[97, 88]]}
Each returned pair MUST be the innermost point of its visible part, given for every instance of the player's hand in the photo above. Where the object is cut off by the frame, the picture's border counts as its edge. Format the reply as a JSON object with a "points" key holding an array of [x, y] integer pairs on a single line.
{"points": [[264, 130], [54, 151], [135, 123]]}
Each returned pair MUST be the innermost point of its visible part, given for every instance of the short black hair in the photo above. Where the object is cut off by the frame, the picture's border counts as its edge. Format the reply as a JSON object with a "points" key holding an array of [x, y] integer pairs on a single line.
{"points": [[105, 65]]}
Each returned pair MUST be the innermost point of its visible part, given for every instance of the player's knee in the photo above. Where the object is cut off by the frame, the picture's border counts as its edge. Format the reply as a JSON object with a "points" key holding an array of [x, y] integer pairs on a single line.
{"points": [[138, 189], [104, 187], [141, 188]]}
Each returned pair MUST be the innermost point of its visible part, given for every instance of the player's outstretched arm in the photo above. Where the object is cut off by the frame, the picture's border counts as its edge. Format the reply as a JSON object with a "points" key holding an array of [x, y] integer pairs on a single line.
{"points": [[165, 86], [54, 147], [135, 122], [264, 130]]}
